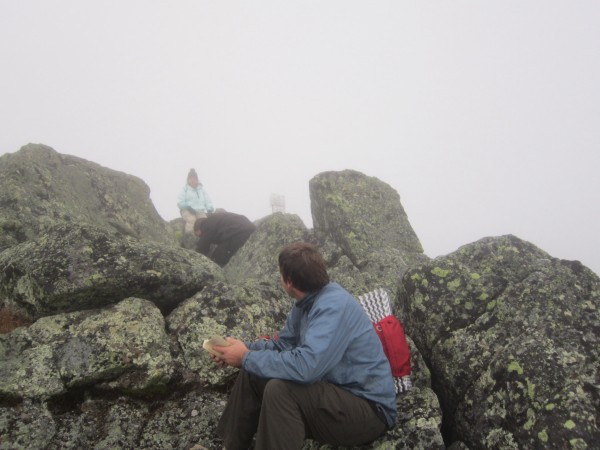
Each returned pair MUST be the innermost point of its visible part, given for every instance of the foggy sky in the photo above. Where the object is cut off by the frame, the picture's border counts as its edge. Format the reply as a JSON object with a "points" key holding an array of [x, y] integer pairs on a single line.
{"points": [[484, 116]]}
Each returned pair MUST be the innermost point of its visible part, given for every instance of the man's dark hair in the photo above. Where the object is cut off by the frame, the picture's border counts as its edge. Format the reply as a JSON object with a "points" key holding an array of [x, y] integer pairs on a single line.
{"points": [[302, 264]]}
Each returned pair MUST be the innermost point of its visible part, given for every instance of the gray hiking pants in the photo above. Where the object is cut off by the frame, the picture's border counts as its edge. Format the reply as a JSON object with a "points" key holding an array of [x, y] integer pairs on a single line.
{"points": [[283, 413]]}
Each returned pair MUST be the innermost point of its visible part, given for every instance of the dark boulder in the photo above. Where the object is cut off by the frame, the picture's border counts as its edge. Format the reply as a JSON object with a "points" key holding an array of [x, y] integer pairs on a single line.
{"points": [[71, 267], [363, 230], [121, 348], [360, 214], [257, 259], [179, 420], [40, 187], [512, 338]]}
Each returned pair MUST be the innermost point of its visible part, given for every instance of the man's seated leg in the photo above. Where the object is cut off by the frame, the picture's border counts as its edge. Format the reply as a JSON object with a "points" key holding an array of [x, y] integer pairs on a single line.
{"points": [[322, 411], [239, 421]]}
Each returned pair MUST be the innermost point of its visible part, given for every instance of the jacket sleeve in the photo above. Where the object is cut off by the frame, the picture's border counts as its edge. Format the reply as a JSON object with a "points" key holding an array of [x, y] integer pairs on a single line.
{"points": [[324, 345], [181, 200], [284, 340]]}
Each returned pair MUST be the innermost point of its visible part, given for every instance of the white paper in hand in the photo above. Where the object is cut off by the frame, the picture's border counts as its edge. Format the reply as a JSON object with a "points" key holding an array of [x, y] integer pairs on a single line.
{"points": [[218, 341]]}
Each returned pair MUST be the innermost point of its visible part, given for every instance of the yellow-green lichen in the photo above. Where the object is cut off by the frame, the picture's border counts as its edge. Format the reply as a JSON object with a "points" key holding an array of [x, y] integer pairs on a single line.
{"points": [[419, 301], [475, 276], [154, 273], [531, 390], [96, 277], [588, 305], [543, 435], [438, 271], [578, 443], [514, 366], [453, 285], [530, 419], [415, 277]]}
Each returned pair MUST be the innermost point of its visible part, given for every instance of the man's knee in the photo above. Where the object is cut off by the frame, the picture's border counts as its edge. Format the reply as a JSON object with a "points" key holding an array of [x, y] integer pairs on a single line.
{"points": [[280, 392], [275, 388]]}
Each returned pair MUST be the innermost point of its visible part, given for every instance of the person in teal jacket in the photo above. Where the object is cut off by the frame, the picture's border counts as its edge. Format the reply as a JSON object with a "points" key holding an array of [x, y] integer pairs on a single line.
{"points": [[193, 202], [324, 377]]}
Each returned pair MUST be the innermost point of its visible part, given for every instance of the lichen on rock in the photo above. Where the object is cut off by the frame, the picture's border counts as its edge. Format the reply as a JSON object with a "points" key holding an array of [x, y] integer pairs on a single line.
{"points": [[122, 348], [108, 308], [80, 266], [512, 338]]}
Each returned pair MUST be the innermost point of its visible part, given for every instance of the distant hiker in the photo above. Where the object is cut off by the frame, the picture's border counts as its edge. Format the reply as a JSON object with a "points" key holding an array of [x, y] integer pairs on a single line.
{"points": [[193, 201], [324, 377], [223, 233]]}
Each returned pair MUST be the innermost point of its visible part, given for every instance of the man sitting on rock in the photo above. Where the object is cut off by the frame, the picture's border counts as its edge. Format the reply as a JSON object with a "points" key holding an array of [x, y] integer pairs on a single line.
{"points": [[324, 377], [222, 234]]}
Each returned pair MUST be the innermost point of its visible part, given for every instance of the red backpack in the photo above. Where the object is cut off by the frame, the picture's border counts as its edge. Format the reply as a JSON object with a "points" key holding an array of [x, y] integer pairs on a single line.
{"points": [[391, 334]]}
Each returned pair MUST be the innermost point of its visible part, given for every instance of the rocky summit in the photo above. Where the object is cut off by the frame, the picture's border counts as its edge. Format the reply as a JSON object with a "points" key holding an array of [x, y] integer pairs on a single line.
{"points": [[104, 307]]}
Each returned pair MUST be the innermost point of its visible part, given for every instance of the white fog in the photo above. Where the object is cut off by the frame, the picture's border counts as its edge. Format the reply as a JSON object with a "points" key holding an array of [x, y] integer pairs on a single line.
{"points": [[483, 116]]}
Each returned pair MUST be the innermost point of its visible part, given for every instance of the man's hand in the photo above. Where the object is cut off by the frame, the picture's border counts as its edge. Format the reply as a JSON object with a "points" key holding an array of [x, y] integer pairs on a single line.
{"points": [[231, 355]]}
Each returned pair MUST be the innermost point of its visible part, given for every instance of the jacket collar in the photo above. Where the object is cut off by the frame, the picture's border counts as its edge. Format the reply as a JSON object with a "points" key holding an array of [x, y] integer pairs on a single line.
{"points": [[309, 299]]}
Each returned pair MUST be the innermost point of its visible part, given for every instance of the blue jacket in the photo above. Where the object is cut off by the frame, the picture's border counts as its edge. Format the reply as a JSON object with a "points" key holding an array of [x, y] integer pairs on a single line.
{"points": [[197, 199], [328, 337]]}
